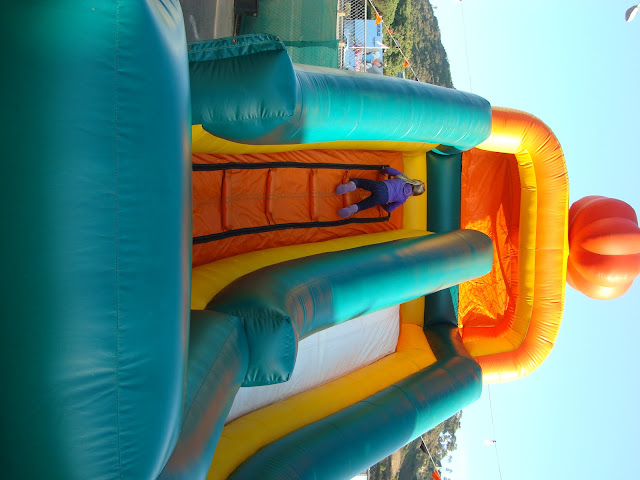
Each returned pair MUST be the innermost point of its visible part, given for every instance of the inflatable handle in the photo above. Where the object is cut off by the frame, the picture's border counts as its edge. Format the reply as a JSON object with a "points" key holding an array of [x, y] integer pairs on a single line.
{"points": [[283, 303], [245, 89], [216, 367], [347, 442]]}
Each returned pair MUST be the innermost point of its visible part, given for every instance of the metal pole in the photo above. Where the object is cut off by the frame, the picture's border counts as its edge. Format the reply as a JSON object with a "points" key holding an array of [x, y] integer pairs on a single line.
{"points": [[364, 62]]}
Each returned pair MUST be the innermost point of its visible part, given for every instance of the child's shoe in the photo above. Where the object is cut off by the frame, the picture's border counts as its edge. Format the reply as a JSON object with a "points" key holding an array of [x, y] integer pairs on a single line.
{"points": [[345, 187], [348, 211]]}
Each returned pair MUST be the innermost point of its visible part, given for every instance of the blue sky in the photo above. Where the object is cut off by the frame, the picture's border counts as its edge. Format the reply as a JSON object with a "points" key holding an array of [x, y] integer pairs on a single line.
{"points": [[576, 66]]}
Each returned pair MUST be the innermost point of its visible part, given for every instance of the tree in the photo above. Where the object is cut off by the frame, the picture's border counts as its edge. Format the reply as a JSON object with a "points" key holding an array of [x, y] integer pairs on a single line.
{"points": [[440, 441], [415, 27]]}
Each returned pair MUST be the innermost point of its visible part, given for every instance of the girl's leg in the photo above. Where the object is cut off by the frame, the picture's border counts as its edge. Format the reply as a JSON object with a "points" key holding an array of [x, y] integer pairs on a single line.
{"points": [[379, 193], [366, 184]]}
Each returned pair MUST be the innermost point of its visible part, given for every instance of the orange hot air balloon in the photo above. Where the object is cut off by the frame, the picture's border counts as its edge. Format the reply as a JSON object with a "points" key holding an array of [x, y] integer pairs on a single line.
{"points": [[604, 247]]}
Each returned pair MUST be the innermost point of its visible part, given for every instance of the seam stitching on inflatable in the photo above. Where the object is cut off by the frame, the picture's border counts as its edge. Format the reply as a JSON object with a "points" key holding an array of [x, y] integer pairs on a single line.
{"points": [[117, 273], [211, 367], [271, 47]]}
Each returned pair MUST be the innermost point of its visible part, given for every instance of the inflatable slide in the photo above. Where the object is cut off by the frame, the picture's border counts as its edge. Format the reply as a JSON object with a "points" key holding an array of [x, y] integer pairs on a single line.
{"points": [[181, 299]]}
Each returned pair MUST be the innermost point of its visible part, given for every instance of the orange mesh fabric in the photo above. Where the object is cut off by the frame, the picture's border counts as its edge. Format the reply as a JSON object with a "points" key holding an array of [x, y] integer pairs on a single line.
{"points": [[490, 203], [239, 198]]}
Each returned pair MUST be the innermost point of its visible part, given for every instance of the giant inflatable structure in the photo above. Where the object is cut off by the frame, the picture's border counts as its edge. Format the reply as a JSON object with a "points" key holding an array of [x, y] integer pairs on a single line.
{"points": [[182, 301]]}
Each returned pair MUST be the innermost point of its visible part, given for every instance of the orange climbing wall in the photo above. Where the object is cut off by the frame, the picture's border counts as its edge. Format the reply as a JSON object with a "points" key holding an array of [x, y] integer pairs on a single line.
{"points": [[251, 202]]}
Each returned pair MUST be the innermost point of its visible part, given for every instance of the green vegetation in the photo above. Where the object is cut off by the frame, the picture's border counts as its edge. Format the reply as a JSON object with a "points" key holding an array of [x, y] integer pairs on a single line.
{"points": [[410, 462], [416, 29]]}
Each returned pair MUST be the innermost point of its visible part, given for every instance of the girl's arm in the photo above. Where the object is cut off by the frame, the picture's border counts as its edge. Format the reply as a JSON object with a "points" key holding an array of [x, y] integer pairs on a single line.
{"points": [[390, 171], [390, 207]]}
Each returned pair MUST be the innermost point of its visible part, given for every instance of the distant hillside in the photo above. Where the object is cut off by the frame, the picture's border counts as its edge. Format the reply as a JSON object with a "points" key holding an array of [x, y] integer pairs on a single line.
{"points": [[416, 28], [410, 462]]}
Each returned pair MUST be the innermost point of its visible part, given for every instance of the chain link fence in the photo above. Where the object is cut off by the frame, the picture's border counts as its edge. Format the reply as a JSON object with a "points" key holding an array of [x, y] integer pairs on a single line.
{"points": [[360, 40], [351, 35], [307, 28], [328, 33]]}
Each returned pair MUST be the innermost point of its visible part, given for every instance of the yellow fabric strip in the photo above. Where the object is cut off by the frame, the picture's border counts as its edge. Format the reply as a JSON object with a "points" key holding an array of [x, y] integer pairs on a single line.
{"points": [[413, 312], [415, 209], [203, 142]]}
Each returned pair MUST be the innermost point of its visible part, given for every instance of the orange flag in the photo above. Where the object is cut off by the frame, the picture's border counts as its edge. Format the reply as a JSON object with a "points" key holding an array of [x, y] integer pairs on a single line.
{"points": [[378, 19], [406, 63], [389, 30], [435, 475]]}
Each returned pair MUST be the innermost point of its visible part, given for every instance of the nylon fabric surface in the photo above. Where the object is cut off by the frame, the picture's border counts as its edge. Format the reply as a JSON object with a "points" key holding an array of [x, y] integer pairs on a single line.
{"points": [[443, 215], [205, 142], [209, 279], [495, 211], [341, 445], [242, 92], [237, 200], [246, 435], [327, 355], [94, 394], [216, 367], [515, 348], [230, 47], [286, 302], [263, 99]]}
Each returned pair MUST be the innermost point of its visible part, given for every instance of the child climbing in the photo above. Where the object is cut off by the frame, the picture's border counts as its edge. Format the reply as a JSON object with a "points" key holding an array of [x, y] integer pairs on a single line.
{"points": [[389, 194]]}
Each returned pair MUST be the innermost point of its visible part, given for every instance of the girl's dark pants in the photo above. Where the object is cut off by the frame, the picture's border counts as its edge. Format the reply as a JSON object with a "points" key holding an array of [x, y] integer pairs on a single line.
{"points": [[379, 193]]}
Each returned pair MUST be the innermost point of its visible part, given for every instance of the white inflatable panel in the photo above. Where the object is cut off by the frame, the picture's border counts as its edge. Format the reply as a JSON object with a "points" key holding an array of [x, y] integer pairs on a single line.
{"points": [[327, 355]]}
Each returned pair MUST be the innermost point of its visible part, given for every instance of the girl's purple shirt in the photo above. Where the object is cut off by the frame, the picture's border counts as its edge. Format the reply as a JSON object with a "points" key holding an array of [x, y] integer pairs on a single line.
{"points": [[399, 190]]}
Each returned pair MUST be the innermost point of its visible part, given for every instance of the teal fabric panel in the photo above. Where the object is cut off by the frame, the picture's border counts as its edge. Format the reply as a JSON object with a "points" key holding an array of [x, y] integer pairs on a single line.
{"points": [[251, 94], [244, 90], [439, 307], [96, 215], [443, 192], [284, 303], [443, 215], [344, 444], [216, 367]]}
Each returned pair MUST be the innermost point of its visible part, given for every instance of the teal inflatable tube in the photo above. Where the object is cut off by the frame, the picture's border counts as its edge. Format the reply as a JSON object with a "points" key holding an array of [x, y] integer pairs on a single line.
{"points": [[217, 365], [344, 444], [246, 90], [284, 303], [443, 192], [443, 215], [96, 238]]}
